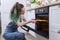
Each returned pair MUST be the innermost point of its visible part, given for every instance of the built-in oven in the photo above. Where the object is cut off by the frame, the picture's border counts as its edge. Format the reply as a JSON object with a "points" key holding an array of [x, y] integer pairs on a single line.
{"points": [[42, 27]]}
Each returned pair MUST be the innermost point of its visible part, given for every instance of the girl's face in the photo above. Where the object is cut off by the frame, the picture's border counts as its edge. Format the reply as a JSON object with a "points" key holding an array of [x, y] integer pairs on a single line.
{"points": [[22, 10]]}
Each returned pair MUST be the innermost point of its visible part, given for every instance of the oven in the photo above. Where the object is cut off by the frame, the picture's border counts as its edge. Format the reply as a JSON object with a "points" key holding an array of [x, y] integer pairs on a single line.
{"points": [[42, 27]]}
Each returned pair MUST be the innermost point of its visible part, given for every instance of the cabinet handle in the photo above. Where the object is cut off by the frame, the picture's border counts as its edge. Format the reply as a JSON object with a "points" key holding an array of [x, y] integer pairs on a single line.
{"points": [[58, 31], [58, 6]]}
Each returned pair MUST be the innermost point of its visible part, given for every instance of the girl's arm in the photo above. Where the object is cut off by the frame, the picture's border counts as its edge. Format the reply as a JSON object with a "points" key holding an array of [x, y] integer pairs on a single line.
{"points": [[23, 23]]}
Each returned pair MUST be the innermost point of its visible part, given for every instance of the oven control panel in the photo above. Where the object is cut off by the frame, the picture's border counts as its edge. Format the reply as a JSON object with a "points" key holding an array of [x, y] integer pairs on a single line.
{"points": [[42, 10]]}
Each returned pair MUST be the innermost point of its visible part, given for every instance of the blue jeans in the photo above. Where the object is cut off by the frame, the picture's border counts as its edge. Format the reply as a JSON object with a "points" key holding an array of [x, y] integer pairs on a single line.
{"points": [[14, 36], [11, 33]]}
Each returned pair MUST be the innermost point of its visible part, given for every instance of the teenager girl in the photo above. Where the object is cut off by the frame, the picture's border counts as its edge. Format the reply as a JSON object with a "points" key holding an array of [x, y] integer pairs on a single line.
{"points": [[17, 15]]}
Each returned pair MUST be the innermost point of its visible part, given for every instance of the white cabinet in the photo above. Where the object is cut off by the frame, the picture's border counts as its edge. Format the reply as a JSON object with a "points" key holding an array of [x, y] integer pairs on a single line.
{"points": [[54, 22]]}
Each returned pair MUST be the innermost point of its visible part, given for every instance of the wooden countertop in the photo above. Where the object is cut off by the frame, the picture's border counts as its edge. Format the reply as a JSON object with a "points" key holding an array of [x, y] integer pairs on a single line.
{"points": [[56, 3]]}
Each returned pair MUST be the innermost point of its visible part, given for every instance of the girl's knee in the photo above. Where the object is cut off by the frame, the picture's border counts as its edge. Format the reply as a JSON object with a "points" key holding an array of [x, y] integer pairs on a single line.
{"points": [[20, 35], [4, 36], [8, 36]]}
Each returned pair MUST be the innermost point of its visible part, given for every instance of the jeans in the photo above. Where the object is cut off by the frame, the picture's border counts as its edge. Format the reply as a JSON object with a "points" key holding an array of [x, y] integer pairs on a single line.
{"points": [[14, 36], [9, 35]]}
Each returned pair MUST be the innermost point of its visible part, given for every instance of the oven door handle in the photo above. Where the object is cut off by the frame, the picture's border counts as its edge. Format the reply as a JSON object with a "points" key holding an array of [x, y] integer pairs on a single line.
{"points": [[25, 27]]}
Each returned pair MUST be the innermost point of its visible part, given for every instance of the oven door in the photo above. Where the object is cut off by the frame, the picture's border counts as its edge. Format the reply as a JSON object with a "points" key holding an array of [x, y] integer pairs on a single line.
{"points": [[42, 27]]}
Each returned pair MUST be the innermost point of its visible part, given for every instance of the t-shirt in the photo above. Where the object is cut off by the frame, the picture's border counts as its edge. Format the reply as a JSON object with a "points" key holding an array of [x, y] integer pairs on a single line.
{"points": [[21, 18]]}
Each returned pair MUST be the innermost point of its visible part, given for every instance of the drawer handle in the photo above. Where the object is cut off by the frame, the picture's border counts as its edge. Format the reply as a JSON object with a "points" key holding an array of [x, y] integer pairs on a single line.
{"points": [[58, 6], [58, 31]]}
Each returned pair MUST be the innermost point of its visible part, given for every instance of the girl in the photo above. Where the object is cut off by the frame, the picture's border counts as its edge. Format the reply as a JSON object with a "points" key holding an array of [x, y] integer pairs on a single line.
{"points": [[11, 32]]}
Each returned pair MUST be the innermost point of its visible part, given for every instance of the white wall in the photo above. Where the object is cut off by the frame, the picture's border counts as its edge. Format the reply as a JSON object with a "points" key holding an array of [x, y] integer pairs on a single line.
{"points": [[54, 23]]}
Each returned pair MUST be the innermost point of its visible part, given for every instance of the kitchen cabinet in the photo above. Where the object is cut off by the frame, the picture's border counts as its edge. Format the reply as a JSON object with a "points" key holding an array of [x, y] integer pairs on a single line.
{"points": [[54, 22]]}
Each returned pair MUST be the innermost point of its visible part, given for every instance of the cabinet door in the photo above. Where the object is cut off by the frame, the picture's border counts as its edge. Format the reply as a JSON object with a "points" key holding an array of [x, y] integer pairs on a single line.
{"points": [[54, 22]]}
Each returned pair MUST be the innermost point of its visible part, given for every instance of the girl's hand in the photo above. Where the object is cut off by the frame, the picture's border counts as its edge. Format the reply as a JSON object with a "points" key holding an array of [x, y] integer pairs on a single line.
{"points": [[33, 21]]}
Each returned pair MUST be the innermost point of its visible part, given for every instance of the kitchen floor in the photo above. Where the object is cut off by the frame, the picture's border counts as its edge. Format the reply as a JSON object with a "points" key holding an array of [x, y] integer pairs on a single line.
{"points": [[30, 37]]}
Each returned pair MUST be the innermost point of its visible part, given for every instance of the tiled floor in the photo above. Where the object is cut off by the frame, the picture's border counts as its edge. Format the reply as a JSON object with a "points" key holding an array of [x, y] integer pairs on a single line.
{"points": [[29, 36]]}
